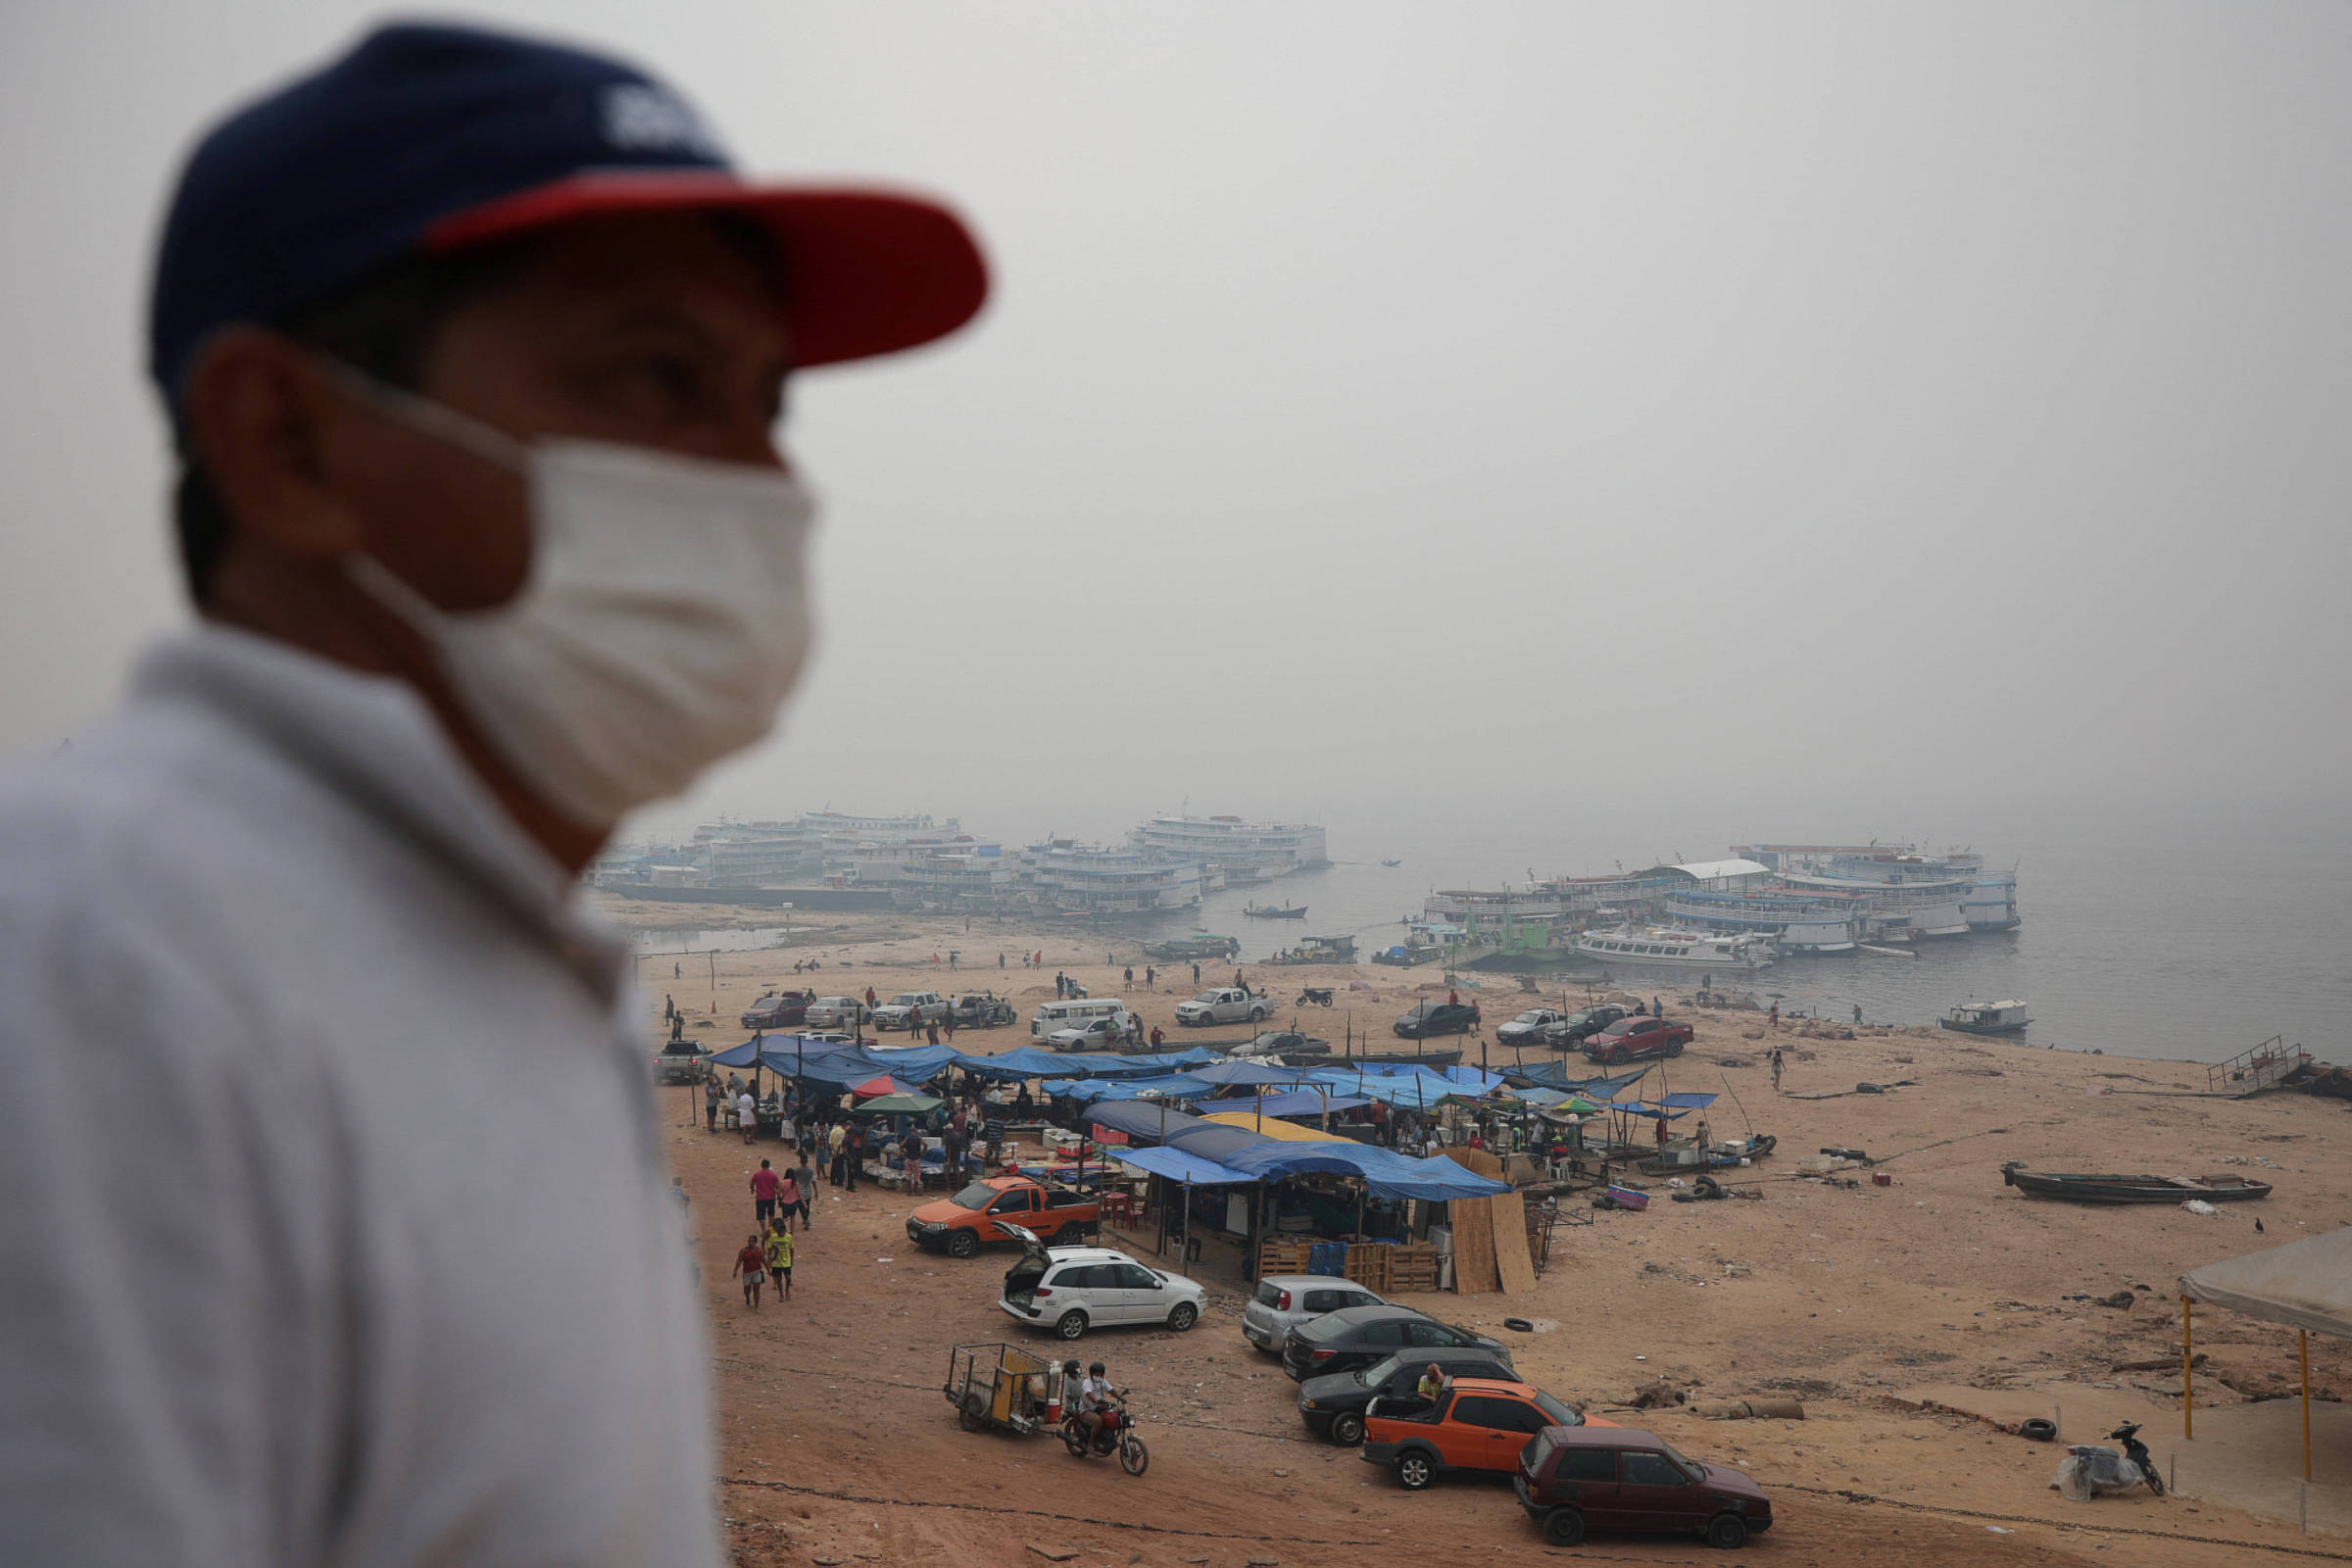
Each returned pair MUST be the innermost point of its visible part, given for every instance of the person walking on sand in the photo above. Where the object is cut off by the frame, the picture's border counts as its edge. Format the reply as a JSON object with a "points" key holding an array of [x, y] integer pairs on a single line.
{"points": [[712, 1093], [1150, 978], [752, 1264], [838, 1141], [775, 1250], [765, 1186], [1857, 1013], [746, 1115], [788, 1196], [1776, 1069], [1128, 983], [1774, 1016], [804, 1180], [853, 1154], [1195, 973]]}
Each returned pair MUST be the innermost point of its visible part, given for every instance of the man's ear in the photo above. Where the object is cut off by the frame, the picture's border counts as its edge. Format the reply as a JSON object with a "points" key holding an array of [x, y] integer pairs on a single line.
{"points": [[257, 410]]}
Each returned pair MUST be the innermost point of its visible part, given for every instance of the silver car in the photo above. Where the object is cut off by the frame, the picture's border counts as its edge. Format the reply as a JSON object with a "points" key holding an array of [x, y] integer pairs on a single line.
{"points": [[1286, 1300]]}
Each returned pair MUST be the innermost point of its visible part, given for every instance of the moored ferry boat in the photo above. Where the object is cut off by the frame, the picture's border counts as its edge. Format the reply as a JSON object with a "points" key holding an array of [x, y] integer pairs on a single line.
{"points": [[1987, 1018], [1658, 946]]}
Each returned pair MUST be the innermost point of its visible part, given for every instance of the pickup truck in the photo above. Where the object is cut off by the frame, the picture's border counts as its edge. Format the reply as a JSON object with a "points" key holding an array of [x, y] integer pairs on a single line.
{"points": [[910, 1010], [1225, 1004], [1061, 1215], [678, 1061], [1096, 1034]]}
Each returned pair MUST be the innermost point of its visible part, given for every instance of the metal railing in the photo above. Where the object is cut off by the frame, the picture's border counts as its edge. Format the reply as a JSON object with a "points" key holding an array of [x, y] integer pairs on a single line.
{"points": [[2259, 1067]]}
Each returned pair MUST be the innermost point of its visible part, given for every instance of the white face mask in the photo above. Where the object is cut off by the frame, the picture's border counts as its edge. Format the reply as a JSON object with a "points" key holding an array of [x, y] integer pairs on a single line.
{"points": [[663, 621]]}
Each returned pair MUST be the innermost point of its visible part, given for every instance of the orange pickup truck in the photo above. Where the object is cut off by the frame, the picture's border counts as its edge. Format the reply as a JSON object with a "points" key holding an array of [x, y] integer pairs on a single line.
{"points": [[1476, 1424], [1060, 1216]]}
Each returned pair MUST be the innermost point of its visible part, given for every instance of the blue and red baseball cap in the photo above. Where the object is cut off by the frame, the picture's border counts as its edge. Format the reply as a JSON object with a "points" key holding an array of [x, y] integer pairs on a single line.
{"points": [[428, 138]]}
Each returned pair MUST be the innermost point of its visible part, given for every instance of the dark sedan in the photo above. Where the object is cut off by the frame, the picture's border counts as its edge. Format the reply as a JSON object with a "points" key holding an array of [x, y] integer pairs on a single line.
{"points": [[1278, 1041], [1581, 1025], [777, 1011], [1638, 1039], [1332, 1404], [1358, 1336], [1437, 1018]]}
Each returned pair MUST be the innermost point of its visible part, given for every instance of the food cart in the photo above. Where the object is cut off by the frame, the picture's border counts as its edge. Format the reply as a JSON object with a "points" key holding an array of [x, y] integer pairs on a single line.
{"points": [[999, 1385]]}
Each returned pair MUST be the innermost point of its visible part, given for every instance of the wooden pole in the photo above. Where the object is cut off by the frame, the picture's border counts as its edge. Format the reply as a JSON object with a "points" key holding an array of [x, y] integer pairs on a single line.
{"points": [[2188, 1419], [2303, 1344]]}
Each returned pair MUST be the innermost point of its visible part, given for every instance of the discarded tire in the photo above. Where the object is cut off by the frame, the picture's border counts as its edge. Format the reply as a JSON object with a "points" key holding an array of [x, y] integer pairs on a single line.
{"points": [[1521, 1324], [2037, 1429]]}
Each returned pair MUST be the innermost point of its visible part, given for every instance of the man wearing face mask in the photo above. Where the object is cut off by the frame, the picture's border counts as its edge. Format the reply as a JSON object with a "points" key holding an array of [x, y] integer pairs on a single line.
{"points": [[474, 349]]}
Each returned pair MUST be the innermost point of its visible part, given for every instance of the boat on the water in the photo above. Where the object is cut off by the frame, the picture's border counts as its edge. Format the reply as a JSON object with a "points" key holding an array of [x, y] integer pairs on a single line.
{"points": [[2116, 1188], [1392, 865], [1318, 949], [1434, 1056], [1275, 911], [1659, 947], [1987, 1018]]}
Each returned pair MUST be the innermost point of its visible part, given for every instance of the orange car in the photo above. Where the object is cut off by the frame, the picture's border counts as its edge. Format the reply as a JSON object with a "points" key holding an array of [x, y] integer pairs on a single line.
{"points": [[1475, 1424], [1060, 1216]]}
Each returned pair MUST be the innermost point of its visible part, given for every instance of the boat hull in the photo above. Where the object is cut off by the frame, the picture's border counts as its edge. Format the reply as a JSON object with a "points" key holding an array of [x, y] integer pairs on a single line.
{"points": [[2017, 1028], [2118, 1188]]}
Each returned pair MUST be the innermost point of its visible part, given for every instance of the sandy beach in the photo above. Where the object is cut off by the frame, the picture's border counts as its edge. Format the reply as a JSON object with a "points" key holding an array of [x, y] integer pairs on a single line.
{"points": [[1912, 1319]]}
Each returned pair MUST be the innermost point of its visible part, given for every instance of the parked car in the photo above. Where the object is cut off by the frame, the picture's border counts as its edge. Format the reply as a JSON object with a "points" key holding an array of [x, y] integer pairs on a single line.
{"points": [[1528, 1028], [1615, 1478], [831, 1012], [778, 1009], [1331, 1404], [1476, 1424], [1437, 1018], [909, 1009], [1358, 1336], [678, 1061], [983, 1010], [1581, 1025], [991, 1210], [1275, 1042], [1224, 1004], [1074, 1289], [1285, 1300], [1094, 1034], [1638, 1039]]}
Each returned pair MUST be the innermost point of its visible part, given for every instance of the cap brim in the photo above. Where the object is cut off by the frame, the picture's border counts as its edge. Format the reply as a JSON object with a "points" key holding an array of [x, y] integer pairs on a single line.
{"points": [[870, 272]]}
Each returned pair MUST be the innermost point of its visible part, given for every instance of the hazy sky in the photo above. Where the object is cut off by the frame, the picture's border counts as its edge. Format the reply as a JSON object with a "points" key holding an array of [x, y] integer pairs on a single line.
{"points": [[1834, 412]]}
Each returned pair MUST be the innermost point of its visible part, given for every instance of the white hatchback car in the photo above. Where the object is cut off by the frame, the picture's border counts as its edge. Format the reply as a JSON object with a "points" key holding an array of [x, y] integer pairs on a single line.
{"points": [[1285, 1300], [1073, 1288]]}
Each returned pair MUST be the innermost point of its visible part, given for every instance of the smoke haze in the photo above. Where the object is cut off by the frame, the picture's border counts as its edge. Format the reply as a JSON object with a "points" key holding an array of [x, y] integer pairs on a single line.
{"points": [[1874, 416]]}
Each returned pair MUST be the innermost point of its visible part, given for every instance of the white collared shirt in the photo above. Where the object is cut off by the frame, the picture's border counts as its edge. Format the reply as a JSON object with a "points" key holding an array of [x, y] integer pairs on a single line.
{"points": [[293, 1301]]}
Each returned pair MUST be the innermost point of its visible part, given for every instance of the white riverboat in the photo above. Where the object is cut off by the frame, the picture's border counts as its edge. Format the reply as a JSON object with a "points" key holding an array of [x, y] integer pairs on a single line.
{"points": [[1665, 948], [1987, 1018]]}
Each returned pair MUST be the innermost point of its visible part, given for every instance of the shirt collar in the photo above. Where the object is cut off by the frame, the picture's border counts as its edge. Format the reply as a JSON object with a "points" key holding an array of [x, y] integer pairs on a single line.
{"points": [[372, 740]]}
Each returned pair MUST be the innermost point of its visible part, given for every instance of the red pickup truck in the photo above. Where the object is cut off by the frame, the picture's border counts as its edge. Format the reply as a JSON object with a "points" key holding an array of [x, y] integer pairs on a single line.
{"points": [[1060, 1216]]}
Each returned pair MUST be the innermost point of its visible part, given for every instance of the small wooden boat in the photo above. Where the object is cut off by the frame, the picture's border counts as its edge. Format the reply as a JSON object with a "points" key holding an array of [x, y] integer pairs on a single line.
{"points": [[1440, 1056], [1392, 865], [1270, 911], [2114, 1188]]}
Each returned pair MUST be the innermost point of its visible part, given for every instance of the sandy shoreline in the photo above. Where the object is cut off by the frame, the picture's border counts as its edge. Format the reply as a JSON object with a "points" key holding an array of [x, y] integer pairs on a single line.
{"points": [[1889, 1309]]}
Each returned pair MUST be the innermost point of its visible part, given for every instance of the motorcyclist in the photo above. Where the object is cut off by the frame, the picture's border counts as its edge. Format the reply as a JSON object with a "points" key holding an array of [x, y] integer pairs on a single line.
{"points": [[1094, 1397]]}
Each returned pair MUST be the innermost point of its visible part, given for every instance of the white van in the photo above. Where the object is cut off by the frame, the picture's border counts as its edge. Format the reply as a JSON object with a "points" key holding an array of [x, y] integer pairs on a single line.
{"points": [[1076, 1015]]}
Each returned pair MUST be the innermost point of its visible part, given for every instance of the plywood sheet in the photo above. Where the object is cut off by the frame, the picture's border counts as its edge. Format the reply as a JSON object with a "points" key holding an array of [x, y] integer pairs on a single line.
{"points": [[1474, 1247], [1478, 1162], [1511, 1260]]}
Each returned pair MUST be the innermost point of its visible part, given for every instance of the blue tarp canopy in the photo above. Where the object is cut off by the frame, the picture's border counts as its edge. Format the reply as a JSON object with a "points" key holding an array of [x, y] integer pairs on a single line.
{"points": [[1555, 1075], [1253, 1072], [1386, 1173], [1289, 1103], [1029, 1061], [1175, 1086], [1638, 1108], [1179, 1166], [914, 1064], [1689, 1101], [1143, 1119], [742, 1056]]}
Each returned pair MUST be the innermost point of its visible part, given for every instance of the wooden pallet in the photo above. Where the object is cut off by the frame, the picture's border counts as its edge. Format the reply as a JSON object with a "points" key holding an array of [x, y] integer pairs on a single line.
{"points": [[1369, 1266], [1282, 1257], [1413, 1267]]}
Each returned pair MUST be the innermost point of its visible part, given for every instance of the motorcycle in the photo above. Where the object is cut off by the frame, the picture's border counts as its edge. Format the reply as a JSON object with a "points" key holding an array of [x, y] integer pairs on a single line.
{"points": [[1314, 997], [2094, 1470], [1116, 1434]]}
